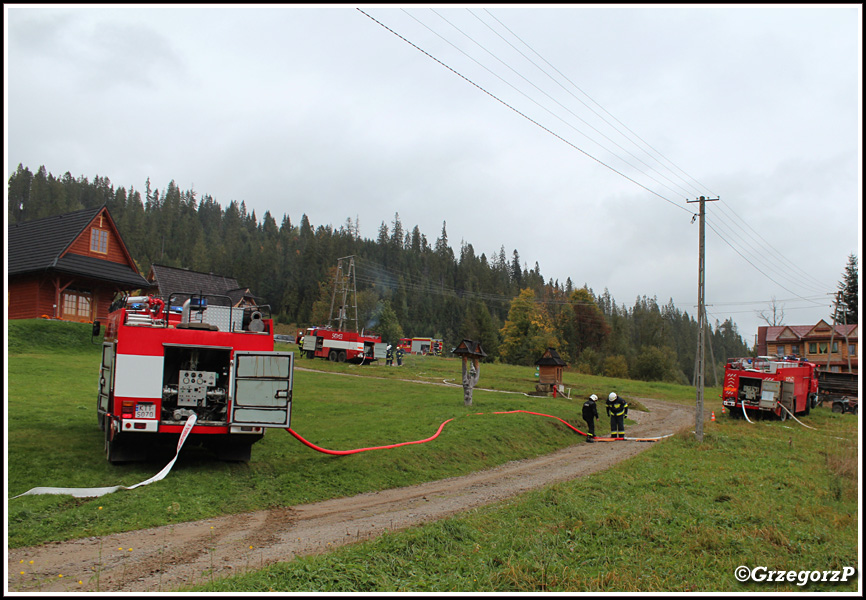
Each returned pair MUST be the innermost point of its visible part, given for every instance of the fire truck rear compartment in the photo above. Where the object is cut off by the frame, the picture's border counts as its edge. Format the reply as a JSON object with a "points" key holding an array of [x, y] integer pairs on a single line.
{"points": [[195, 380]]}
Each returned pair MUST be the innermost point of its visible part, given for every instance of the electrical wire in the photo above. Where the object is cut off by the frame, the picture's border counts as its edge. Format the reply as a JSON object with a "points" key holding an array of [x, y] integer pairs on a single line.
{"points": [[780, 267]]}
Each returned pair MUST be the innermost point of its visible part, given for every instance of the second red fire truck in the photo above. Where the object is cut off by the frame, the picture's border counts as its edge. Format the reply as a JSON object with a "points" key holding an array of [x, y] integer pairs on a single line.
{"points": [[342, 346]]}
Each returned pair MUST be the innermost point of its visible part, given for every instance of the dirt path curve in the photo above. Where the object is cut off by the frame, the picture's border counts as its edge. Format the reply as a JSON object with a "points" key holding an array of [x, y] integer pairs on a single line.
{"points": [[165, 558]]}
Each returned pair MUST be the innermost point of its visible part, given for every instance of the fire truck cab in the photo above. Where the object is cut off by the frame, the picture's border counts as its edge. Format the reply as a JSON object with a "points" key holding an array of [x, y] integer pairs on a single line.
{"points": [[770, 386], [163, 363]]}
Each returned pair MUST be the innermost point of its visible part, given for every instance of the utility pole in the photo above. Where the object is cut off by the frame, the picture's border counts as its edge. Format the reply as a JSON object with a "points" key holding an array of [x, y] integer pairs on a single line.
{"points": [[702, 319]]}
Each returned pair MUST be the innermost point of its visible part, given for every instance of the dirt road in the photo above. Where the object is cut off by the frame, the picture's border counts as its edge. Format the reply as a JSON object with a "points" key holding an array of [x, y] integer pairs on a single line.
{"points": [[167, 557]]}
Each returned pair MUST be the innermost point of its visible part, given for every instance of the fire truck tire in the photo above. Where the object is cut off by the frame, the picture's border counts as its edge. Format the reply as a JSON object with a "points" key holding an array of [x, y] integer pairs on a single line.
{"points": [[120, 451], [813, 400], [311, 354], [341, 357], [233, 451], [838, 408], [332, 356], [783, 414]]}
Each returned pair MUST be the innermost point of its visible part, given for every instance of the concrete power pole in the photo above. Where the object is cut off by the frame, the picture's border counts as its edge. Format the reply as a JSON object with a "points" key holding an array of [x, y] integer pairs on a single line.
{"points": [[702, 320]]}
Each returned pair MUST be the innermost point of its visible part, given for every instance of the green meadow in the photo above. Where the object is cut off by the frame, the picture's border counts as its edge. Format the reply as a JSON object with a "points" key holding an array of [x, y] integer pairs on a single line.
{"points": [[681, 516]]}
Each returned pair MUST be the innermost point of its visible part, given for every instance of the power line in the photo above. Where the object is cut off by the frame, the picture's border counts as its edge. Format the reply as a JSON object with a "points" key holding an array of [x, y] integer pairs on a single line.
{"points": [[531, 120], [779, 267]]}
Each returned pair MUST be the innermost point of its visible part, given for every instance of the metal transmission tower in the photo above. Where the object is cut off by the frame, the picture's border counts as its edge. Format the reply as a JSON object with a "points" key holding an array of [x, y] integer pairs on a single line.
{"points": [[344, 282], [702, 321]]}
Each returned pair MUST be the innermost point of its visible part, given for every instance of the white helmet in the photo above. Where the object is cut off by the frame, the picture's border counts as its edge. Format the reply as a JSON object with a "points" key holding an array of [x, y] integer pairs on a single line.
{"points": [[594, 398], [612, 396]]}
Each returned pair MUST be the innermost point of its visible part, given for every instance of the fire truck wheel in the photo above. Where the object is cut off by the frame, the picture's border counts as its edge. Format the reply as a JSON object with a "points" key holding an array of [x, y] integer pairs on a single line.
{"points": [[783, 414], [838, 408], [311, 354], [234, 451], [332, 356], [342, 356], [115, 450]]}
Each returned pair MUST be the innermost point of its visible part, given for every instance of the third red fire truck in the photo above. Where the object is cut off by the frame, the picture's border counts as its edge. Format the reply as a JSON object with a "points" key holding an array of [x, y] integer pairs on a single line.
{"points": [[770, 386]]}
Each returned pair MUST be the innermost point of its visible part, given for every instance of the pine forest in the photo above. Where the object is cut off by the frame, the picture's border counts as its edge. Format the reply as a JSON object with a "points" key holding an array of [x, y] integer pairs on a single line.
{"points": [[406, 285]]}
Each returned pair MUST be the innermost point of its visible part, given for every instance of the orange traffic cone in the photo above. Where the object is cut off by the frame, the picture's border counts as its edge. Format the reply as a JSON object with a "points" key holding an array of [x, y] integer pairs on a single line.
{"points": [[723, 410], [713, 416]]}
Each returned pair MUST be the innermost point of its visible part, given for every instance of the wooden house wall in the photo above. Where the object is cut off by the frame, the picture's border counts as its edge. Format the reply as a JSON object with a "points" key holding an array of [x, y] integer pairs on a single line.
{"points": [[34, 297], [549, 374]]}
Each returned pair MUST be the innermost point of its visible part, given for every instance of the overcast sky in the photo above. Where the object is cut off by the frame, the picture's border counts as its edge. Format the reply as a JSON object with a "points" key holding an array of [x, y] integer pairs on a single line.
{"points": [[574, 134]]}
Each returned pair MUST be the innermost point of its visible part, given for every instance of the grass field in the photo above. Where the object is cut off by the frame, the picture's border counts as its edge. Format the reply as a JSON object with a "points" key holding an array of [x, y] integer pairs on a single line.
{"points": [[679, 517]]}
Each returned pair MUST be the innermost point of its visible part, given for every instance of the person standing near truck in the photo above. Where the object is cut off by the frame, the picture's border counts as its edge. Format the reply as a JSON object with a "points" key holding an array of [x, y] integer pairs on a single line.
{"points": [[617, 409], [590, 415]]}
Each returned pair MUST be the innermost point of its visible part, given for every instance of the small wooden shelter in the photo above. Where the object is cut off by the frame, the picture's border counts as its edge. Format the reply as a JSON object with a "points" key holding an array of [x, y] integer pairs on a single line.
{"points": [[550, 368]]}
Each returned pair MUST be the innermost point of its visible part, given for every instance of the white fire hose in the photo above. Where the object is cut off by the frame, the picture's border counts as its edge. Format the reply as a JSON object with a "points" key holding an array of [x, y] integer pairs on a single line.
{"points": [[101, 491], [792, 416]]}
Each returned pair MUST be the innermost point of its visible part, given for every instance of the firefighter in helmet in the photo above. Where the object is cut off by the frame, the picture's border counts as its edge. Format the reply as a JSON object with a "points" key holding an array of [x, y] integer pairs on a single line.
{"points": [[617, 409], [590, 415], [389, 356], [400, 353]]}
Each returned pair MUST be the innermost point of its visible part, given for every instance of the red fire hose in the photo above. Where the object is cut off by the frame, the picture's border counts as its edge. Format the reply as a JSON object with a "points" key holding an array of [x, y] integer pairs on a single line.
{"points": [[433, 437]]}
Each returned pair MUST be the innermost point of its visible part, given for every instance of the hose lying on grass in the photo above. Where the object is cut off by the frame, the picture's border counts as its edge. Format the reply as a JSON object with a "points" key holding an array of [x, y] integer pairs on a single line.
{"points": [[101, 491], [442, 426], [96, 492]]}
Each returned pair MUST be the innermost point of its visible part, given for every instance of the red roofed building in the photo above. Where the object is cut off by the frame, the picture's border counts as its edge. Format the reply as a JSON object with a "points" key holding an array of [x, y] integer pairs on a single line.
{"points": [[831, 349], [68, 267]]}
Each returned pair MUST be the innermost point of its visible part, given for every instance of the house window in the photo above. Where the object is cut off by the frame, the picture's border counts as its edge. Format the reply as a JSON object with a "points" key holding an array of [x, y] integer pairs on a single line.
{"points": [[835, 348], [852, 349], [813, 348], [77, 306], [99, 240], [795, 349], [822, 348]]}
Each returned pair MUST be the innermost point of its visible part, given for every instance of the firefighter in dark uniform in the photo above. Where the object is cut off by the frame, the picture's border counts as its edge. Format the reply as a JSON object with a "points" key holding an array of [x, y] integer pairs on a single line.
{"points": [[617, 409], [590, 415], [389, 356], [399, 356]]}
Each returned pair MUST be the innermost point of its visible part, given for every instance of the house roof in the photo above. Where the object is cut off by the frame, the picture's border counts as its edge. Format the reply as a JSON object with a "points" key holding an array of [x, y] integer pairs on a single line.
{"points": [[171, 280], [550, 358], [779, 333], [42, 244]]}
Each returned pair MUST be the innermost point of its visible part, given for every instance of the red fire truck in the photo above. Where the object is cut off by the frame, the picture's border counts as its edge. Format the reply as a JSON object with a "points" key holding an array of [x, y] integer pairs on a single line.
{"points": [[766, 384], [421, 346], [342, 346], [162, 363]]}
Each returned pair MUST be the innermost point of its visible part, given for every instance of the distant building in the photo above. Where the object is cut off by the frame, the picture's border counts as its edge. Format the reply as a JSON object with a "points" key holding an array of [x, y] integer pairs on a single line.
{"points": [[68, 267], [832, 350], [172, 280]]}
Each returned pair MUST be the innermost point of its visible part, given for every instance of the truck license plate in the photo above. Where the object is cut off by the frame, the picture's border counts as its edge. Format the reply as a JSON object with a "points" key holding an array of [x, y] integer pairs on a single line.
{"points": [[145, 411]]}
